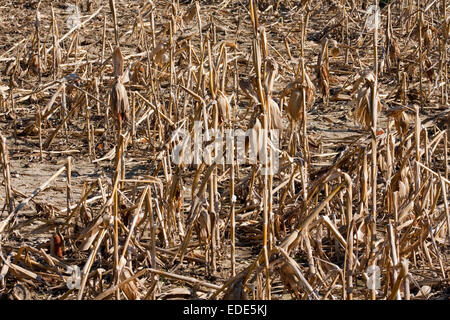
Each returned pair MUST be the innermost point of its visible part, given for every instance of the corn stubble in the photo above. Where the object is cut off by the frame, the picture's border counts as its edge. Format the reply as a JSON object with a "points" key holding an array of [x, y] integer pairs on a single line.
{"points": [[363, 175]]}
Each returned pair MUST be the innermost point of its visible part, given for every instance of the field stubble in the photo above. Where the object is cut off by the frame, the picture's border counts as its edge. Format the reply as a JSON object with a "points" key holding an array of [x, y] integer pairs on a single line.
{"points": [[90, 99]]}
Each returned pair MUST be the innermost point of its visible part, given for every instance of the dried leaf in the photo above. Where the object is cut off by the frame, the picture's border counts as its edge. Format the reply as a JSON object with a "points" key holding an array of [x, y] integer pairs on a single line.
{"points": [[130, 289], [363, 109]]}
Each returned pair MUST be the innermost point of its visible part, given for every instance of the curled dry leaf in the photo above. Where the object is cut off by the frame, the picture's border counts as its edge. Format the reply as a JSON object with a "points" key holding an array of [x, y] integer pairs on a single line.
{"points": [[334, 48], [401, 183], [429, 70], [190, 14], [160, 55], [428, 33], [138, 74], [57, 245], [130, 289], [323, 74], [59, 55], [30, 129], [295, 104], [236, 291], [289, 279], [271, 74], [119, 99], [255, 138], [88, 234], [363, 109], [394, 52], [403, 118], [10, 67], [20, 292], [33, 64], [119, 102], [294, 107], [362, 112], [276, 116], [180, 293], [428, 39], [223, 106], [203, 226], [423, 293], [248, 88]]}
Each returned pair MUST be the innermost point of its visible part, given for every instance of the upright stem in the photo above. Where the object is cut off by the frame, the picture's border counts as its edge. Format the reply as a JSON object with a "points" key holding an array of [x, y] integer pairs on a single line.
{"points": [[6, 173], [349, 217], [419, 24], [444, 62], [115, 196], [69, 183], [55, 39], [374, 139], [112, 5], [417, 140], [40, 131], [233, 213], [38, 40]]}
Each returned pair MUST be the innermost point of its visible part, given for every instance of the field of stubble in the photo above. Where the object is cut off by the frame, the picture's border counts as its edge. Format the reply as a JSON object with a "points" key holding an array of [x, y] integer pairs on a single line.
{"points": [[95, 206]]}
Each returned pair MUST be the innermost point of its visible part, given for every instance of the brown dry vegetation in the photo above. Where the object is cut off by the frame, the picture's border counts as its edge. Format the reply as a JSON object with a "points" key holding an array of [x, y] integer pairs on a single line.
{"points": [[363, 175]]}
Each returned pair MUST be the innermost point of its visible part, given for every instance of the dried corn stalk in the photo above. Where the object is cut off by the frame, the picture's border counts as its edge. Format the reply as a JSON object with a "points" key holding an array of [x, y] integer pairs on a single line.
{"points": [[119, 99], [402, 119], [58, 57], [271, 74], [160, 54], [248, 88], [394, 53], [276, 116], [203, 226], [323, 73], [33, 64], [401, 183], [295, 104], [256, 137], [363, 108], [138, 74], [130, 289], [224, 106]]}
